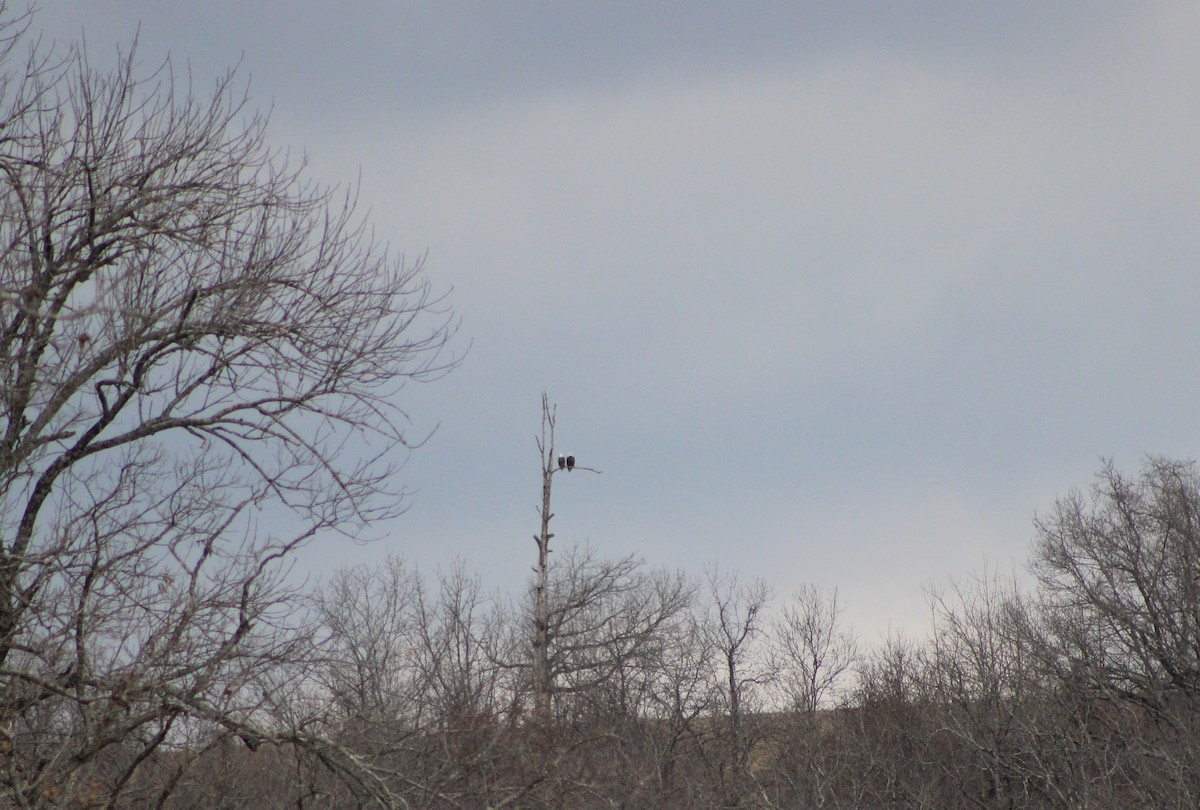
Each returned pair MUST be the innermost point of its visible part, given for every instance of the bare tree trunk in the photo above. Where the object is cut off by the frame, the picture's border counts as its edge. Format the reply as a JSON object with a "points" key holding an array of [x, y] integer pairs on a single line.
{"points": [[542, 683], [733, 630], [543, 674]]}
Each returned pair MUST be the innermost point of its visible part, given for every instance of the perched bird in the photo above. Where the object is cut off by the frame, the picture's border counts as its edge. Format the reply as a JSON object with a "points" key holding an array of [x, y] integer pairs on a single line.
{"points": [[570, 462], [562, 461]]}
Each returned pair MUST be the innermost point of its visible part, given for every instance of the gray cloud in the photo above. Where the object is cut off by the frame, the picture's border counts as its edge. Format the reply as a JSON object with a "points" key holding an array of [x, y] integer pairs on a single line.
{"points": [[834, 295]]}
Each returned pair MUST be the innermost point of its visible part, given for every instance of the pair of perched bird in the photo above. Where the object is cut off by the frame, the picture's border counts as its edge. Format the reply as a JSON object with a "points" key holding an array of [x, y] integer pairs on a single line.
{"points": [[566, 462]]}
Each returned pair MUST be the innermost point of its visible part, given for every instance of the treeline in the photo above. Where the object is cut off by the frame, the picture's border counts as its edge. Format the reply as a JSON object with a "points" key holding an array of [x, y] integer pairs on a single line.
{"points": [[673, 690]]}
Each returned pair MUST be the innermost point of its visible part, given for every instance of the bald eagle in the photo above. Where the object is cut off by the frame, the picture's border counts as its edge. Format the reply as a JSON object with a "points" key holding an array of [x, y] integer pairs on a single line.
{"points": [[570, 462], [562, 461]]}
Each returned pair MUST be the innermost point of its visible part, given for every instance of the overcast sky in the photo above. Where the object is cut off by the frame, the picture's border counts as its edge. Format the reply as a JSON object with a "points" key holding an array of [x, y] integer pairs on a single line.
{"points": [[833, 293]]}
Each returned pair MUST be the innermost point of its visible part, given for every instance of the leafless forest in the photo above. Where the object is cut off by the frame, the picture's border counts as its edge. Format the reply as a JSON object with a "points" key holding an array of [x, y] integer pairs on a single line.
{"points": [[202, 359]]}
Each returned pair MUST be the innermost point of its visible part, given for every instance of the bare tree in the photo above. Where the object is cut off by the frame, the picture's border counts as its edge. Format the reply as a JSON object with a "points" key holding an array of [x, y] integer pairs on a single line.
{"points": [[607, 623], [199, 359], [680, 710], [998, 712], [1129, 558], [542, 684], [415, 682], [812, 657], [543, 678], [736, 622], [890, 734], [1120, 576], [611, 624], [812, 653], [370, 621]]}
